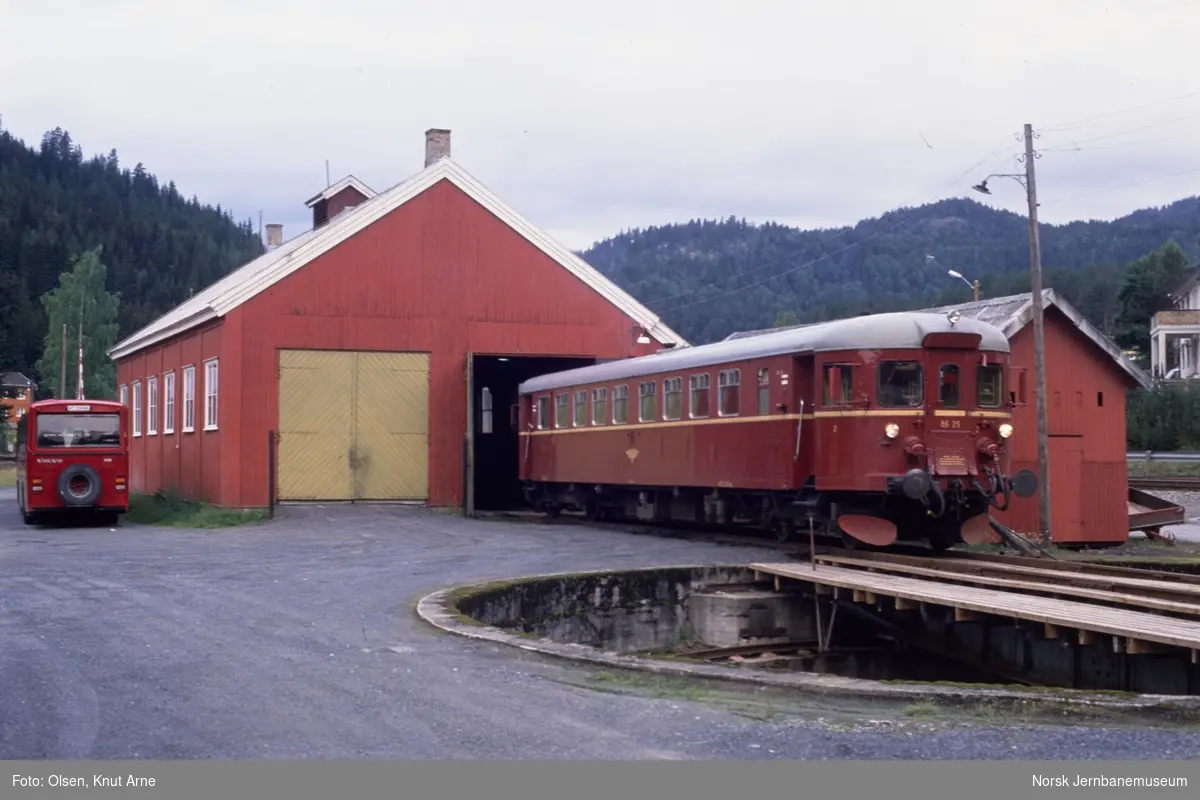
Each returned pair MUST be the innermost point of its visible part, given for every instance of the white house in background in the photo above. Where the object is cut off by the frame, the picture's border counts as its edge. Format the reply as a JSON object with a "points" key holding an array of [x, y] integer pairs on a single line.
{"points": [[1175, 334]]}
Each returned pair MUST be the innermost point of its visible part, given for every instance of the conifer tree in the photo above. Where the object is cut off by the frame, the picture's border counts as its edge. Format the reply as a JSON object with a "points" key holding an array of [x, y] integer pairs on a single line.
{"points": [[81, 301]]}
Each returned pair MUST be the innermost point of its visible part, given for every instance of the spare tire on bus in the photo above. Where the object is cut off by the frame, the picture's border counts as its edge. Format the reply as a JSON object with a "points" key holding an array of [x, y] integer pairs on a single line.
{"points": [[79, 485]]}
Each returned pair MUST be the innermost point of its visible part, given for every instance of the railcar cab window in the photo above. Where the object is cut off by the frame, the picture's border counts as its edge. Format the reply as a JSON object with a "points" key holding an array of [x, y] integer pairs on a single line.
{"points": [[989, 382], [838, 384], [672, 398], [730, 398], [901, 384], [620, 405], [78, 430], [698, 386], [562, 410], [948, 386], [581, 417], [646, 395], [543, 412]]}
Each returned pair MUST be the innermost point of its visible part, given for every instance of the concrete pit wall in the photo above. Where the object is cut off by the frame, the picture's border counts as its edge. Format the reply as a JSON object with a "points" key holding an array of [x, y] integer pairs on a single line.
{"points": [[642, 611]]}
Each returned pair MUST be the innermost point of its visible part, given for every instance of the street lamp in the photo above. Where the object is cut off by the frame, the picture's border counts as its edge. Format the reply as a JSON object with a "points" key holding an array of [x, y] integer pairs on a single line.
{"points": [[1028, 181], [973, 284]]}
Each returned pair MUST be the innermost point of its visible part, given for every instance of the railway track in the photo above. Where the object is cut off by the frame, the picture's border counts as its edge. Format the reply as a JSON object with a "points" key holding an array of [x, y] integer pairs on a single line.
{"points": [[1178, 482]]}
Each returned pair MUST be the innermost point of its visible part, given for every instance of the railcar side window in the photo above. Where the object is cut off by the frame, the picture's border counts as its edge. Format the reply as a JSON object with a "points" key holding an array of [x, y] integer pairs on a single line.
{"points": [[698, 400], [839, 381], [580, 408], [672, 398], [901, 384], [989, 384], [764, 391], [543, 412], [948, 386], [646, 394], [600, 406], [562, 410], [730, 385], [620, 405]]}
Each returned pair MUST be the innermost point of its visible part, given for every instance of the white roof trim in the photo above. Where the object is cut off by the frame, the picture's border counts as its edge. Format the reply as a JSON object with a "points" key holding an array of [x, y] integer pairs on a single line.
{"points": [[273, 266], [348, 182]]}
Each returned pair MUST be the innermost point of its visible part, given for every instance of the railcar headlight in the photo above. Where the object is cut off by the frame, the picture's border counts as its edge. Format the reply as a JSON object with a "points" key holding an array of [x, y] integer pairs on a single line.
{"points": [[892, 430], [1005, 431]]}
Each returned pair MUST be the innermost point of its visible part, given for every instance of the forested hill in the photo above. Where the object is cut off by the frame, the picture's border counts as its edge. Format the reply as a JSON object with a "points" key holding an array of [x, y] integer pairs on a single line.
{"points": [[158, 246], [710, 278]]}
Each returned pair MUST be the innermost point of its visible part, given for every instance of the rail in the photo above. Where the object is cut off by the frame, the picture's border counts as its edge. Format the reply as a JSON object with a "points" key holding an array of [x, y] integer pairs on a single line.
{"points": [[1176, 456], [1180, 482]]}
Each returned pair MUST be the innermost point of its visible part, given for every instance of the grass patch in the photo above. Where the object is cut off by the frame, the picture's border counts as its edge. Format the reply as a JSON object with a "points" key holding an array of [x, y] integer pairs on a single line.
{"points": [[8, 476], [174, 511], [1139, 467]]}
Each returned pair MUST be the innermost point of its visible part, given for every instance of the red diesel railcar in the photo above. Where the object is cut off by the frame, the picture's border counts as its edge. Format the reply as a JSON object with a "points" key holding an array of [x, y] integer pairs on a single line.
{"points": [[882, 428]]}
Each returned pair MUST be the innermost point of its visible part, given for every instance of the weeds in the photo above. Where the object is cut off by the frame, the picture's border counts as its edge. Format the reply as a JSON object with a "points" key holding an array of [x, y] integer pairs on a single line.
{"points": [[172, 510]]}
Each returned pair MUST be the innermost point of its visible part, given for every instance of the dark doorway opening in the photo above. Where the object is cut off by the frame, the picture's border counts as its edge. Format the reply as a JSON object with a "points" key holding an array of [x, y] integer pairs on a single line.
{"points": [[497, 444]]}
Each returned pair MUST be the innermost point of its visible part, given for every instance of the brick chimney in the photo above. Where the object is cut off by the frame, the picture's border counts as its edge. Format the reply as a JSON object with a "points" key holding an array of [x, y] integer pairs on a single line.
{"points": [[437, 145], [274, 235]]}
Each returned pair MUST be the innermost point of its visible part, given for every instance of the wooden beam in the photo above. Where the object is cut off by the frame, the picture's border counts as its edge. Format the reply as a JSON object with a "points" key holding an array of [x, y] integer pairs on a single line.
{"points": [[777, 583], [964, 615], [1051, 631], [1140, 647], [1086, 637], [904, 604]]}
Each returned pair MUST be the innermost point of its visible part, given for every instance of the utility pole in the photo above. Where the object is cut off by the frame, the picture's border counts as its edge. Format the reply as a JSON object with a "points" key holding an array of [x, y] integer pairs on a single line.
{"points": [[1039, 338], [975, 289]]}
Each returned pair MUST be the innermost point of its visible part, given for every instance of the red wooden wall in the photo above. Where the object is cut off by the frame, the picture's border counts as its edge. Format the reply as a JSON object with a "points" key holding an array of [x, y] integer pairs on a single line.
{"points": [[1086, 415], [438, 275], [189, 462]]}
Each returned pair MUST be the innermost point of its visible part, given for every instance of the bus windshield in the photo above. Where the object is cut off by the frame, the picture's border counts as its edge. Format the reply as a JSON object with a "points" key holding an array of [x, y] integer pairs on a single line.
{"points": [[78, 430]]}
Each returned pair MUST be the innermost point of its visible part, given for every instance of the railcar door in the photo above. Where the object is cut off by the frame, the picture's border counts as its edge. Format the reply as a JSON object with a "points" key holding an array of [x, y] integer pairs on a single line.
{"points": [[835, 454]]}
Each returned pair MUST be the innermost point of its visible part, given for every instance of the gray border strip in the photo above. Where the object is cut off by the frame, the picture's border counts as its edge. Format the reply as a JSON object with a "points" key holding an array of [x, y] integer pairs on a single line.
{"points": [[437, 610]]}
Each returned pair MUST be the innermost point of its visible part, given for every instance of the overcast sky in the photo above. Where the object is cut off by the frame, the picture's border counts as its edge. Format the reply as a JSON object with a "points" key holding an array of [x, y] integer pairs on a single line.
{"points": [[594, 117]]}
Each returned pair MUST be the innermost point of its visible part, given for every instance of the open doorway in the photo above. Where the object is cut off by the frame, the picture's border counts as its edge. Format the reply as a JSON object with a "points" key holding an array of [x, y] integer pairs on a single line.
{"points": [[494, 482]]}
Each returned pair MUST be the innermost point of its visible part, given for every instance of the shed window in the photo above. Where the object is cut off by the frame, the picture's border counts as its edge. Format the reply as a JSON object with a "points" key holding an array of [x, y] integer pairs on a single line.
{"points": [[210, 395], [948, 386], [151, 406], [764, 391], [169, 402], [672, 398], [698, 386], [600, 406], [485, 410], [901, 384], [562, 410], [989, 386], [838, 382], [136, 415], [620, 405], [646, 394], [543, 412], [730, 385], [581, 416], [124, 395], [189, 399]]}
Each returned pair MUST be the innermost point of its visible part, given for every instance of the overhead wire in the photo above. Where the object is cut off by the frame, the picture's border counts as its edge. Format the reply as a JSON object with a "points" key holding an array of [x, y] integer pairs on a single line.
{"points": [[1066, 126], [991, 156]]}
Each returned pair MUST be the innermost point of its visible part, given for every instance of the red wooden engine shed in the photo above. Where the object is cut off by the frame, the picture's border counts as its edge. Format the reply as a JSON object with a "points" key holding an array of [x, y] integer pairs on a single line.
{"points": [[1087, 377], [364, 346]]}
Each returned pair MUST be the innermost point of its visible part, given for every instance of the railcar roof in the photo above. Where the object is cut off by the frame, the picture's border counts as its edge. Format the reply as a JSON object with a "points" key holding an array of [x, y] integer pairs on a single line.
{"points": [[895, 331]]}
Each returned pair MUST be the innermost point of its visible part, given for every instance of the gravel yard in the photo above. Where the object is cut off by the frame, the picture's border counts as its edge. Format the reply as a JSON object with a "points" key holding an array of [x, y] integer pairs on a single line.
{"points": [[297, 639]]}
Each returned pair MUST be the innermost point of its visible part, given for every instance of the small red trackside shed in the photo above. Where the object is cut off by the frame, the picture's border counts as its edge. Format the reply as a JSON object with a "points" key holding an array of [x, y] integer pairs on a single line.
{"points": [[377, 356]]}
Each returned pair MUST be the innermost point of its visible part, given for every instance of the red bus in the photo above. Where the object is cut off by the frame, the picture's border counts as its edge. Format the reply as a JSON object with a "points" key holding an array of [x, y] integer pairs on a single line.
{"points": [[73, 460]]}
